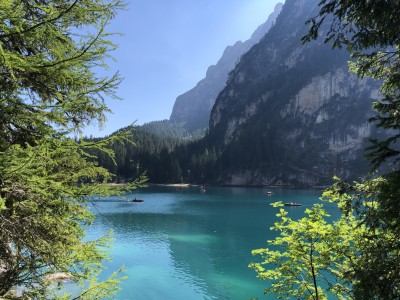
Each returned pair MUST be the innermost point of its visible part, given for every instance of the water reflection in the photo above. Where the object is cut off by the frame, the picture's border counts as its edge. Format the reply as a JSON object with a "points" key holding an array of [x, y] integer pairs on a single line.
{"points": [[189, 245]]}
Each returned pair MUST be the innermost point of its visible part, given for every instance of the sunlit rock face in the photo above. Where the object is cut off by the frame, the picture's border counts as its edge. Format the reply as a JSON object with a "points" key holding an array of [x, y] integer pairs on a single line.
{"points": [[292, 114], [193, 107]]}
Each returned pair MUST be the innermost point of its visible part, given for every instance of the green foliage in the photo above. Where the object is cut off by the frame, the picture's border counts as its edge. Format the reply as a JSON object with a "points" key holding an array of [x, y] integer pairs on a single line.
{"points": [[48, 89], [47, 53], [352, 257], [361, 250], [376, 264], [358, 25], [369, 30], [309, 257]]}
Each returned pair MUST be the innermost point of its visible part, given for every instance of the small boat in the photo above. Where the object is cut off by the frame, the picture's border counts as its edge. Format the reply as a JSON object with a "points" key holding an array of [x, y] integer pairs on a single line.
{"points": [[293, 204], [137, 200], [269, 193], [202, 189]]}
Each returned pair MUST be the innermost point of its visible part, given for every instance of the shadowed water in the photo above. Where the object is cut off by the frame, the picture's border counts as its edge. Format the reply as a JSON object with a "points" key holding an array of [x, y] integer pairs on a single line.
{"points": [[192, 245]]}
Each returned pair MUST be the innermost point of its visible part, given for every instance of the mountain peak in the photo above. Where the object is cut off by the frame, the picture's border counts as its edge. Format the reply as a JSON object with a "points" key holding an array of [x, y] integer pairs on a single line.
{"points": [[292, 114], [193, 108]]}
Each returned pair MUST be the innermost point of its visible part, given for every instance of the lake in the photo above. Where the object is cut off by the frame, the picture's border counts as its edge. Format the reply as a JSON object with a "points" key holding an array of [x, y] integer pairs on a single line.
{"points": [[184, 244]]}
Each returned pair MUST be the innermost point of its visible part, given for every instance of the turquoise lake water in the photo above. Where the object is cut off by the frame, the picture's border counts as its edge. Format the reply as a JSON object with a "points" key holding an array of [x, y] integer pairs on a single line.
{"points": [[192, 245]]}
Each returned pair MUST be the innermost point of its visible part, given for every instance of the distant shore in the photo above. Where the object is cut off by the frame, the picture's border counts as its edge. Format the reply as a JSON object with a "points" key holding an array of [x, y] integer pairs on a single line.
{"points": [[186, 185], [182, 185], [174, 184]]}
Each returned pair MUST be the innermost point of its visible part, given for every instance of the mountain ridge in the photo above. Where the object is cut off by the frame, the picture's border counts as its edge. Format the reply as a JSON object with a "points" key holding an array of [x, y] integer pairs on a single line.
{"points": [[289, 115], [193, 107], [285, 110]]}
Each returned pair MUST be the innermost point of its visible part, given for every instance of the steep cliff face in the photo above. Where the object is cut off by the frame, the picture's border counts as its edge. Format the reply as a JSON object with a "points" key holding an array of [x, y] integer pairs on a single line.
{"points": [[292, 114], [193, 108]]}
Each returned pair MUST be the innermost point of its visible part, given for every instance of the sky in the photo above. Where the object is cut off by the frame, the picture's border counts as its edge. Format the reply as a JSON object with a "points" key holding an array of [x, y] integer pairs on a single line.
{"points": [[165, 49]]}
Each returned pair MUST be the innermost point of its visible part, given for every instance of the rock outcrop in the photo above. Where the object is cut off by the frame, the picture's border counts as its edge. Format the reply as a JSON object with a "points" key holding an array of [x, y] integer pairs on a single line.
{"points": [[193, 107], [292, 114]]}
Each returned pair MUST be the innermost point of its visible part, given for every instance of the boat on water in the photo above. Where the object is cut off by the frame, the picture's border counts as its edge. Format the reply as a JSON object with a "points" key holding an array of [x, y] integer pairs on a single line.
{"points": [[269, 193], [137, 200], [293, 204]]}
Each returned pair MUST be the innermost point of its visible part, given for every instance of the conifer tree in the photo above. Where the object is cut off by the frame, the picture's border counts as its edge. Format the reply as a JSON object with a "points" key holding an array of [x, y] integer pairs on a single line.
{"points": [[48, 91], [369, 30]]}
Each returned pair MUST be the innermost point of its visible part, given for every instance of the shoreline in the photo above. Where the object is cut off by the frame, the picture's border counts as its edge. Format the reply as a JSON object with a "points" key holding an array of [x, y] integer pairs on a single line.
{"points": [[187, 185], [182, 185]]}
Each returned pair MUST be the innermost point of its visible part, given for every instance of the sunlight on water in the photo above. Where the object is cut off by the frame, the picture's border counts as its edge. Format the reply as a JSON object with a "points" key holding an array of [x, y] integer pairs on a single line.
{"points": [[193, 238], [189, 245]]}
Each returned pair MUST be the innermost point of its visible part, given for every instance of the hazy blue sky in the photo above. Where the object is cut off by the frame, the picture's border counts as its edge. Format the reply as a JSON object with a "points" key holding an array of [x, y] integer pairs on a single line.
{"points": [[166, 49]]}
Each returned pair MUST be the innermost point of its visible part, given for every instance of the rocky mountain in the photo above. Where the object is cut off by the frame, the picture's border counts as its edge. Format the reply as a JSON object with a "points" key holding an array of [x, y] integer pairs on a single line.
{"points": [[292, 114], [289, 115], [193, 107]]}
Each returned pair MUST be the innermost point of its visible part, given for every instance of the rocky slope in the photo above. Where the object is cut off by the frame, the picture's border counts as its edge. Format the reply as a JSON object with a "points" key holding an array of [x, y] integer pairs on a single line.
{"points": [[193, 107], [292, 114]]}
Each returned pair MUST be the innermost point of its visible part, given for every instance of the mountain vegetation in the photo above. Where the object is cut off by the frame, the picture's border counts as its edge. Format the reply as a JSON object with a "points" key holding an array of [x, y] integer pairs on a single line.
{"points": [[293, 112], [158, 148], [289, 115], [48, 90]]}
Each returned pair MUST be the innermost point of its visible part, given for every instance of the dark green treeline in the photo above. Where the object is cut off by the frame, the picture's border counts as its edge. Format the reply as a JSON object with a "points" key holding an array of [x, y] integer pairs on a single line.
{"points": [[163, 150], [167, 153]]}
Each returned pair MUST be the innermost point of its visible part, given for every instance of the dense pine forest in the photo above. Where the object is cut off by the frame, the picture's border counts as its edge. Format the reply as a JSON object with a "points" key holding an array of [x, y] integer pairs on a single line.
{"points": [[167, 153], [163, 150]]}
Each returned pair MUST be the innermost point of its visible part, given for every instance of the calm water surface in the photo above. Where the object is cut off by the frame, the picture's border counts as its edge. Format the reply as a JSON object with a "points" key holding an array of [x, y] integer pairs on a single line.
{"points": [[191, 245]]}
